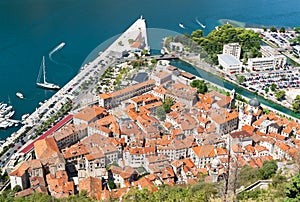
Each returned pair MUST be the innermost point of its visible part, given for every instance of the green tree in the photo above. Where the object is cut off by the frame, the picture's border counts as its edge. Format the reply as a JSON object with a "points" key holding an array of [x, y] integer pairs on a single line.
{"points": [[167, 104], [282, 29], [83, 193], [130, 41], [161, 113], [240, 79], [280, 94], [273, 29], [297, 29], [273, 86], [278, 179], [266, 90], [197, 35], [292, 189], [111, 185], [268, 170], [17, 188], [154, 61], [264, 28], [213, 43], [200, 85], [296, 104], [247, 175]]}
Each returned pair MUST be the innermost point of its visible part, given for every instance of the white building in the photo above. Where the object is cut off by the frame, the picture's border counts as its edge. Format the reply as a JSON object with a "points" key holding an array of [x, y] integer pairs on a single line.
{"points": [[291, 94], [270, 60], [162, 77], [230, 63], [268, 51], [176, 46], [261, 64], [296, 50], [233, 49]]}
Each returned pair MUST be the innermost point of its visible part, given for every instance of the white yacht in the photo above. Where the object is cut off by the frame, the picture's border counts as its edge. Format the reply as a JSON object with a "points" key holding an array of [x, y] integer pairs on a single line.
{"points": [[44, 83], [19, 95], [181, 25], [4, 124]]}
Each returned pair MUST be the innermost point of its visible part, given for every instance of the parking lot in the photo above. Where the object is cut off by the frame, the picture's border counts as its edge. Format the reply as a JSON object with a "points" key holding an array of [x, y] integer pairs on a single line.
{"points": [[283, 79]]}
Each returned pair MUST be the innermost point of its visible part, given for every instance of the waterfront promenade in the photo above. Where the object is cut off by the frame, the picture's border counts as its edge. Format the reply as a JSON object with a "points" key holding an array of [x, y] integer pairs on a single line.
{"points": [[72, 89]]}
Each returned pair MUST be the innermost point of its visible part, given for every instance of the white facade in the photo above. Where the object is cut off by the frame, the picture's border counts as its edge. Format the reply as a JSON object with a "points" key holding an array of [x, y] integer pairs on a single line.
{"points": [[291, 94], [229, 63], [261, 64], [271, 59], [269, 52], [176, 46], [21, 181], [296, 50], [233, 49]]}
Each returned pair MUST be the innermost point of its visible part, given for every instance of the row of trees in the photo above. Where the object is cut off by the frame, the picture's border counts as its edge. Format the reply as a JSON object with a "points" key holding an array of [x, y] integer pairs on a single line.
{"points": [[274, 29], [201, 191]]}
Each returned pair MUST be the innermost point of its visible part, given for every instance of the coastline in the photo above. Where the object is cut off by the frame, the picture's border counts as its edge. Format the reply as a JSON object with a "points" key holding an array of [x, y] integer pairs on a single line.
{"points": [[68, 92]]}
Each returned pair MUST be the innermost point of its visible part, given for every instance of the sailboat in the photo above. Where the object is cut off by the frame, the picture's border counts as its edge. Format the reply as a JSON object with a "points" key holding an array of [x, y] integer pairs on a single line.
{"points": [[45, 84]]}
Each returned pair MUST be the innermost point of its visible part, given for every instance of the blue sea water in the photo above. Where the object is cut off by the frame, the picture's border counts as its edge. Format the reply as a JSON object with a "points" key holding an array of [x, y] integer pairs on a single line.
{"points": [[32, 28]]}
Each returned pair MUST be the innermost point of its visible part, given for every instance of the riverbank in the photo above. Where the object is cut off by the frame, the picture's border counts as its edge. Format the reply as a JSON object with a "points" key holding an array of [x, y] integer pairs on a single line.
{"points": [[245, 93]]}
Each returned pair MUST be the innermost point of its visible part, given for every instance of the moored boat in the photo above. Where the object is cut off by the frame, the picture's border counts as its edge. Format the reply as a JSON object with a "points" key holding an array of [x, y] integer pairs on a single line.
{"points": [[19, 95], [181, 25]]}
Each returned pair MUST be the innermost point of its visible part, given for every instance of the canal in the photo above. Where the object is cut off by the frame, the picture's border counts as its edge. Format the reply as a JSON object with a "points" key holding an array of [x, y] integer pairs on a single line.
{"points": [[214, 79]]}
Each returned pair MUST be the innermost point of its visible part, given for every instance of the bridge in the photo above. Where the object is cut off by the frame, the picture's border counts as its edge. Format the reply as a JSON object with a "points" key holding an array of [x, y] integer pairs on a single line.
{"points": [[163, 57]]}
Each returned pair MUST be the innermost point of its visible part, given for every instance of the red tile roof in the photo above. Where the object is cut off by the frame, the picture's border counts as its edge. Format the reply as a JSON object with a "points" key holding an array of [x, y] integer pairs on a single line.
{"points": [[49, 132]]}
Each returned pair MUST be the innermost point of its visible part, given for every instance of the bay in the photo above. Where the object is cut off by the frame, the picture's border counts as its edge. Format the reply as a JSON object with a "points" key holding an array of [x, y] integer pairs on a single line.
{"points": [[32, 28]]}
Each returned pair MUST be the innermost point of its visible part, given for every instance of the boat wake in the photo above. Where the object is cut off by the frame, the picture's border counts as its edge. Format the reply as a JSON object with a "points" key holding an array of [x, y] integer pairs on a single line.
{"points": [[57, 48], [54, 50], [199, 23]]}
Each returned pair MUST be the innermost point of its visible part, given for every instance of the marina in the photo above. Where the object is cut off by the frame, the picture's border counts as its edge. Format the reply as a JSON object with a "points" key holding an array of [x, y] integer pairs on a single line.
{"points": [[6, 112]]}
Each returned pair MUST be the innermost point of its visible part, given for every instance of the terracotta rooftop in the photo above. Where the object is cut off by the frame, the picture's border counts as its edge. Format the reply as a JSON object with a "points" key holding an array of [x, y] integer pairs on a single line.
{"points": [[92, 185], [45, 148], [222, 116], [172, 68], [162, 74], [282, 146], [160, 90], [240, 134], [127, 89], [188, 75], [75, 150], [90, 113], [145, 98], [205, 151], [26, 166]]}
